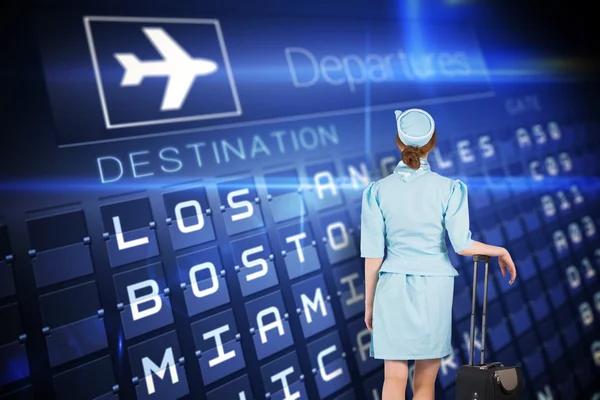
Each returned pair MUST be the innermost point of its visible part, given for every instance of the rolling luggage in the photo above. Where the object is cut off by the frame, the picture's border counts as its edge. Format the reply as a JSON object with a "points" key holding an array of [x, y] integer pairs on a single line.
{"points": [[492, 381]]}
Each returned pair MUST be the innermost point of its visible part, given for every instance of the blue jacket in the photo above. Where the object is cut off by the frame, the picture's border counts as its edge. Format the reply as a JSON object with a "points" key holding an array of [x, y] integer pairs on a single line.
{"points": [[407, 213]]}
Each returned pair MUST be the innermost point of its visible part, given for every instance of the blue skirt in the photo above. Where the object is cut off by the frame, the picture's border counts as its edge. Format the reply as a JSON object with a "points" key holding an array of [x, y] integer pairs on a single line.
{"points": [[412, 317]]}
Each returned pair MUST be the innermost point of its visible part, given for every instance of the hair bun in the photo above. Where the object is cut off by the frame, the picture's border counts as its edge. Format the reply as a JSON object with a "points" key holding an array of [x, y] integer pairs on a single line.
{"points": [[410, 157]]}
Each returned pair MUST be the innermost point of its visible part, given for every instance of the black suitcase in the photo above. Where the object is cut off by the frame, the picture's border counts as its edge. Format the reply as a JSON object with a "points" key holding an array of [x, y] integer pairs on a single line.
{"points": [[483, 381]]}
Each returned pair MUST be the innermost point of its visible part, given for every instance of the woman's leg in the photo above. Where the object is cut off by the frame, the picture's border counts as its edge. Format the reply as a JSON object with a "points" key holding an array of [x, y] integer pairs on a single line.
{"points": [[424, 380], [394, 383]]}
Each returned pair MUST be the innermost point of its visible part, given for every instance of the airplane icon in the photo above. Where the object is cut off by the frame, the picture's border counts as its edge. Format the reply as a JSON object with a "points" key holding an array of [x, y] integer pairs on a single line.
{"points": [[180, 68]]}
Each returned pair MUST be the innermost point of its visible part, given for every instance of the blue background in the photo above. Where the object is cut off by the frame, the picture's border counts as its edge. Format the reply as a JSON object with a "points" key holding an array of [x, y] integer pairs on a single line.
{"points": [[521, 130]]}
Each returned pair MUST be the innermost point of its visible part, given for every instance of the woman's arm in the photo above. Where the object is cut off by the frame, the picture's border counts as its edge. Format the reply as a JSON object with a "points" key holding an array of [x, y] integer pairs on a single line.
{"points": [[504, 259], [372, 266], [456, 219], [483, 249]]}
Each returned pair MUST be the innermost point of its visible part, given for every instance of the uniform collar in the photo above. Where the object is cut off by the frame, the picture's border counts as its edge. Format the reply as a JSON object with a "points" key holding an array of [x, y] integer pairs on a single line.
{"points": [[407, 174]]}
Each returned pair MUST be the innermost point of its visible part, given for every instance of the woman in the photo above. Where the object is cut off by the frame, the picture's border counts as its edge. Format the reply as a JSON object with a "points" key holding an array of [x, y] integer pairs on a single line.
{"points": [[409, 293]]}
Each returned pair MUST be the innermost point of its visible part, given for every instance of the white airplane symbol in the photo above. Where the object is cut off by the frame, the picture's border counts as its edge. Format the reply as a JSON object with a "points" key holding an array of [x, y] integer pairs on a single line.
{"points": [[180, 68]]}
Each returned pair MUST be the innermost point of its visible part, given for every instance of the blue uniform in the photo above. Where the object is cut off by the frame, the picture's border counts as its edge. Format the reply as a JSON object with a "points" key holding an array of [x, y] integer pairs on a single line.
{"points": [[404, 218]]}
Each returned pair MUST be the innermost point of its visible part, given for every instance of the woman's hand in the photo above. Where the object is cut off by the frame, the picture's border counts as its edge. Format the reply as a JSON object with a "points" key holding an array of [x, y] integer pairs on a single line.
{"points": [[506, 263], [369, 317]]}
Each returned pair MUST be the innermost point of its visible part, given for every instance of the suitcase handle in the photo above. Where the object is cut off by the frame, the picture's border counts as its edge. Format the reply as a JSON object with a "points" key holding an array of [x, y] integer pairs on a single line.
{"points": [[481, 257], [476, 259], [493, 364]]}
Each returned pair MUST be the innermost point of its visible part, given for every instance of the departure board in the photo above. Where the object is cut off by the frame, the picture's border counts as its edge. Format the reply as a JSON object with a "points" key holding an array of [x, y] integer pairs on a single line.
{"points": [[186, 219]]}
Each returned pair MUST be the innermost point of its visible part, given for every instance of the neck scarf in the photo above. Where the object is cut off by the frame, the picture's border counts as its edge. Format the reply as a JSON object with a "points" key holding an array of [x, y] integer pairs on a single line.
{"points": [[407, 174]]}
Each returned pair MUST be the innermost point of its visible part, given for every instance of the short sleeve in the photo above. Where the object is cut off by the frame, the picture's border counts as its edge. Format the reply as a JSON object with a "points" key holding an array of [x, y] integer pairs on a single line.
{"points": [[372, 227], [457, 217]]}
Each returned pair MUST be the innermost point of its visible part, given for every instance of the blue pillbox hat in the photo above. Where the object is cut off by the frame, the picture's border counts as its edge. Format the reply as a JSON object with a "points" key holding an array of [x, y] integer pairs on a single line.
{"points": [[415, 126]]}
